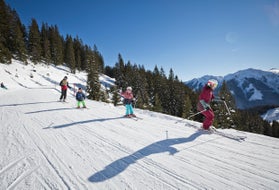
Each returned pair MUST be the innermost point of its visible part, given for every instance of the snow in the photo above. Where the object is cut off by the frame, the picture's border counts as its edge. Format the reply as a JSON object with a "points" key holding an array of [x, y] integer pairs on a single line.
{"points": [[256, 94], [271, 115], [45, 144], [274, 70]]}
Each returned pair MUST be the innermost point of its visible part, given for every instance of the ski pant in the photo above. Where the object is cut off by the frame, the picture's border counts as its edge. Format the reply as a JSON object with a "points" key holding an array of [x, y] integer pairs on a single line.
{"points": [[209, 117], [63, 94], [129, 109], [81, 102]]}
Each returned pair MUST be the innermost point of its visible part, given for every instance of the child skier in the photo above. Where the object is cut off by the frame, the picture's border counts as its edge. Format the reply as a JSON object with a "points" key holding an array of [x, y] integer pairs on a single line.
{"points": [[203, 105], [64, 86], [80, 97], [128, 100]]}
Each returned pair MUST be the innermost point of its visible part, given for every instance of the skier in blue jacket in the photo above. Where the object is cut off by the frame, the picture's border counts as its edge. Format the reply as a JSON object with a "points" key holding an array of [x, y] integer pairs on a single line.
{"points": [[80, 97]]}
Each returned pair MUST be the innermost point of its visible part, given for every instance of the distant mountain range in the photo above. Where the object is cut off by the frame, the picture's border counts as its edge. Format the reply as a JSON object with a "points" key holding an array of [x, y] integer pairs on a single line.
{"points": [[250, 87]]}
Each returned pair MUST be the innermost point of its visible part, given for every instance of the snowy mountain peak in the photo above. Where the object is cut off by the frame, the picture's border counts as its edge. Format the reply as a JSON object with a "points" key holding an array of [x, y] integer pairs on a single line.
{"points": [[198, 83], [274, 70]]}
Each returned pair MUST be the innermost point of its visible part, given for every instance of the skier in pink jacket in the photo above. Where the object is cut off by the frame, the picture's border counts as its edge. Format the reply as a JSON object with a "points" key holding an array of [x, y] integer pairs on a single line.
{"points": [[205, 98], [128, 100]]}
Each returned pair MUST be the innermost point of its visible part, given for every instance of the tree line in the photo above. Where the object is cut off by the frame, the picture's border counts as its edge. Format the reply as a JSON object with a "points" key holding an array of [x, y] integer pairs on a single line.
{"points": [[154, 90], [45, 44]]}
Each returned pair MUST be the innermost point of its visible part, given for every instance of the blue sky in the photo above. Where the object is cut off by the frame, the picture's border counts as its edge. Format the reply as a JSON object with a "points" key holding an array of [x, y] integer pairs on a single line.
{"points": [[193, 37]]}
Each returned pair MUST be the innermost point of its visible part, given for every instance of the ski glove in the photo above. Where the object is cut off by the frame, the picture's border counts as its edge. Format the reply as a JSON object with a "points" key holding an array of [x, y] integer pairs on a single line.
{"points": [[205, 105]]}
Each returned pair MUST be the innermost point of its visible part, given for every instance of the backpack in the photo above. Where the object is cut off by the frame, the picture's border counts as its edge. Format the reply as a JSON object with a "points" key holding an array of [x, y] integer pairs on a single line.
{"points": [[63, 83]]}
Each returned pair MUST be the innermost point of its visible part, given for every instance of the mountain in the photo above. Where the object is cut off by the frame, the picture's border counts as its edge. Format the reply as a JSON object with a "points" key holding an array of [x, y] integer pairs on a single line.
{"points": [[197, 83], [46, 144], [250, 87]]}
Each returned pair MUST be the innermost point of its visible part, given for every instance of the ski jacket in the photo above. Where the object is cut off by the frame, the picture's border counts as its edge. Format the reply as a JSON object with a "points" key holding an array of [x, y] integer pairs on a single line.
{"points": [[80, 96], [128, 97], [64, 84], [205, 98]]}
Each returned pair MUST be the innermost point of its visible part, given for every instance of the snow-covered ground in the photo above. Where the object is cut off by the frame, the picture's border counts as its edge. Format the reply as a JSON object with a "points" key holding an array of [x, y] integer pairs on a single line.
{"points": [[45, 144]]}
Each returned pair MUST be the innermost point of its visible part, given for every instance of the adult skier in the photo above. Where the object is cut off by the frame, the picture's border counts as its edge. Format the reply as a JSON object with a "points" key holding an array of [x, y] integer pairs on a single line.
{"points": [[128, 100], [80, 97], [64, 86], [203, 105]]}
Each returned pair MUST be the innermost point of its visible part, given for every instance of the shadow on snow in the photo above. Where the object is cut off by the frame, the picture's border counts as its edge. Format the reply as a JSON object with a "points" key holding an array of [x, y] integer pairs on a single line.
{"points": [[48, 110], [82, 122], [23, 104], [121, 164]]}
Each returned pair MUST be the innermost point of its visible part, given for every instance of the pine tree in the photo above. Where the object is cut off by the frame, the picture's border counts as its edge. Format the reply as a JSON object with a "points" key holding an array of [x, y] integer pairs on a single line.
{"points": [[170, 94], [141, 85], [223, 117], [85, 51], [5, 54], [93, 83], [34, 45], [275, 129], [119, 72], [45, 43], [17, 43], [187, 107], [163, 91], [70, 54], [115, 95], [56, 46], [78, 52], [157, 104]]}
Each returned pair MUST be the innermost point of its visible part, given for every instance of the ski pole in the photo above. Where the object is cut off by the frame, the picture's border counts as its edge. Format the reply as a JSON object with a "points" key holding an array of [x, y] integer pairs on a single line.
{"points": [[196, 114], [227, 107], [191, 116], [228, 110]]}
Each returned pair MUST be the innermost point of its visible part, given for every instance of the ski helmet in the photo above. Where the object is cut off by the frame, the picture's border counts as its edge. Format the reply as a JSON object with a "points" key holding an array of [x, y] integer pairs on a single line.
{"points": [[129, 88], [212, 83]]}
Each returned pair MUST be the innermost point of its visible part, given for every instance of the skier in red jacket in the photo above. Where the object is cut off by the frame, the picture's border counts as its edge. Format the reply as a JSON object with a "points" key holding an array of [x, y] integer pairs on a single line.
{"points": [[205, 98], [64, 86]]}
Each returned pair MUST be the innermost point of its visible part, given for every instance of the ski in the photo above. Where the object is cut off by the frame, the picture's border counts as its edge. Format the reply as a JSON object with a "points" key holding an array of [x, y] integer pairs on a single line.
{"points": [[213, 130], [81, 108], [62, 101], [135, 118], [228, 135]]}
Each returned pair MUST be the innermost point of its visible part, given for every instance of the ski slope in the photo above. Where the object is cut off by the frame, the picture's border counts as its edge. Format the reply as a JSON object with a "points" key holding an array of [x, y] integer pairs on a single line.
{"points": [[45, 144]]}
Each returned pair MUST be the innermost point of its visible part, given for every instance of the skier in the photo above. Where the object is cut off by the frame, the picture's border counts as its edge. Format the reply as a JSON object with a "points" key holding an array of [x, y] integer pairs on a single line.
{"points": [[80, 97], [128, 100], [64, 86], [203, 105], [3, 86]]}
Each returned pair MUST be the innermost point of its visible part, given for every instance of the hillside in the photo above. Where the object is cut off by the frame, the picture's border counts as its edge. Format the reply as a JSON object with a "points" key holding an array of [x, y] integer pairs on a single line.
{"points": [[45, 144]]}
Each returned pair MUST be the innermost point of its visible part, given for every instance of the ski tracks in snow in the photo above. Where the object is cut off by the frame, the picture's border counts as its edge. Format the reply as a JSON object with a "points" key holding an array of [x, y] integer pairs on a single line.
{"points": [[49, 146]]}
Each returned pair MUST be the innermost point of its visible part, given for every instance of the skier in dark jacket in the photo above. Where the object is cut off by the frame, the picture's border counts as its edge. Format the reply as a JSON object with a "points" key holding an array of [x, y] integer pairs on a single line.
{"points": [[80, 97], [64, 86], [3, 86], [205, 98]]}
